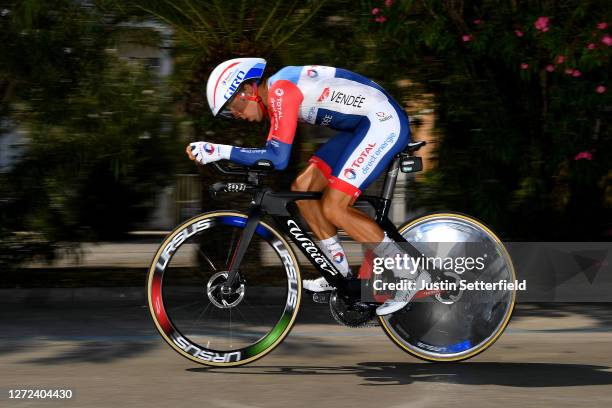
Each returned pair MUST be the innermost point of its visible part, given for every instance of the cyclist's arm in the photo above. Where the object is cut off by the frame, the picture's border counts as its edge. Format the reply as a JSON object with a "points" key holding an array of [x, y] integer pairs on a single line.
{"points": [[284, 99]]}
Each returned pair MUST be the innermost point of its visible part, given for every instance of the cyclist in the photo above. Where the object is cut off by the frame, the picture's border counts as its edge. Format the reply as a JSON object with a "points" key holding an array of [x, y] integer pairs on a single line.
{"points": [[372, 129]]}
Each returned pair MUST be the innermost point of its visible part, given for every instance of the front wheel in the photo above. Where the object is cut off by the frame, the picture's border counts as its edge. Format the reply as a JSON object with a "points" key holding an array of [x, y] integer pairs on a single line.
{"points": [[454, 326], [211, 326]]}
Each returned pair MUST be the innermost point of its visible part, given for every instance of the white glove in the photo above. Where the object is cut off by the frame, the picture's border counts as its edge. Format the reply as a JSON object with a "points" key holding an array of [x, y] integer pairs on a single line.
{"points": [[206, 152]]}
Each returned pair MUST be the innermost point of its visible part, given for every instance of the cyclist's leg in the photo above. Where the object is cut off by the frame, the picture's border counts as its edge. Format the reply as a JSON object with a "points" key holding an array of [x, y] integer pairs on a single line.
{"points": [[315, 178], [379, 137], [312, 179], [337, 207], [382, 135]]}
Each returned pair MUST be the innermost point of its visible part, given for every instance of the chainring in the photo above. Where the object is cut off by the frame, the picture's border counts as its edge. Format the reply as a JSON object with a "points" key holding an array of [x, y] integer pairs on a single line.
{"points": [[352, 315]]}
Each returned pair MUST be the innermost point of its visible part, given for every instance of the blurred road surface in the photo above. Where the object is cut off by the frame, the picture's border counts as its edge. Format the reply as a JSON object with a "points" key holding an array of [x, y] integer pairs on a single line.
{"points": [[109, 355]]}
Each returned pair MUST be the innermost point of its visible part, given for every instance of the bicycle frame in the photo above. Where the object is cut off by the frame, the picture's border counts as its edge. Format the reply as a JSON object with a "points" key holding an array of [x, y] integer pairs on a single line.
{"points": [[281, 206]]}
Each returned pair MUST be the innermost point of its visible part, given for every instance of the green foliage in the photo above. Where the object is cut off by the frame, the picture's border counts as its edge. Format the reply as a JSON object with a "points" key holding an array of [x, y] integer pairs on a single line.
{"points": [[234, 27], [93, 171], [513, 116], [100, 132], [207, 33], [99, 140]]}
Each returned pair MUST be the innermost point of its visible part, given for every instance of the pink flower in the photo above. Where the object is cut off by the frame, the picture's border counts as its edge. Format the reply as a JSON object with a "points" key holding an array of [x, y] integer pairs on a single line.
{"points": [[606, 39], [518, 33], [591, 46], [466, 38], [524, 65], [388, 3], [602, 26], [584, 155], [550, 68], [375, 11], [478, 21], [542, 23], [569, 71], [560, 59], [380, 19], [600, 89], [576, 73]]}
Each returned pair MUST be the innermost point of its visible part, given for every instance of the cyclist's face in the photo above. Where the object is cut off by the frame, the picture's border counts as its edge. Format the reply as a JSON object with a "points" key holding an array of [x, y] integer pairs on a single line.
{"points": [[242, 108]]}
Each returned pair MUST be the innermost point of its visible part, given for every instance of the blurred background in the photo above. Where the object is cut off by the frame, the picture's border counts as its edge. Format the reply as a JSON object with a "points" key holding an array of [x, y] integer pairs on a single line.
{"points": [[99, 98]]}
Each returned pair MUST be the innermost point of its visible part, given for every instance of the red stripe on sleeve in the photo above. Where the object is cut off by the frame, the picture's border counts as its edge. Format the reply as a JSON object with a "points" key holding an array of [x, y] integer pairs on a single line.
{"points": [[284, 100]]}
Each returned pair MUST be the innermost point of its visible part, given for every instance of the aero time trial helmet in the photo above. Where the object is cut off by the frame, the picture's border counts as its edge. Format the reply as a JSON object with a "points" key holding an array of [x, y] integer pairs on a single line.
{"points": [[227, 77]]}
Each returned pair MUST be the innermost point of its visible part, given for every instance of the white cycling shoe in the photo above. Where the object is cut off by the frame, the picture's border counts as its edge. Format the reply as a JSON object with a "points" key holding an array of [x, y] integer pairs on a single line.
{"points": [[317, 285], [403, 297]]}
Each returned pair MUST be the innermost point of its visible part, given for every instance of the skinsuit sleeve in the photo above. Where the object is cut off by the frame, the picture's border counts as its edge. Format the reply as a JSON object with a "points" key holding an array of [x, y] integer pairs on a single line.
{"points": [[284, 99]]}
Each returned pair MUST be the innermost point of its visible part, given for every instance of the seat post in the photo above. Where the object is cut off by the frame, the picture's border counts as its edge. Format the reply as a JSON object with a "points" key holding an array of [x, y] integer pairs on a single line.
{"points": [[390, 179]]}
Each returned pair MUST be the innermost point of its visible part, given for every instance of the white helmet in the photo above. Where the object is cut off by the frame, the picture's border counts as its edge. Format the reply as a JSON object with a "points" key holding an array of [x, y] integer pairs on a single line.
{"points": [[227, 77]]}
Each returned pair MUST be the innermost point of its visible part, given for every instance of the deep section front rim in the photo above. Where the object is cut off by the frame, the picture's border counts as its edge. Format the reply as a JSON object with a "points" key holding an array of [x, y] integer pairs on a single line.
{"points": [[198, 352]]}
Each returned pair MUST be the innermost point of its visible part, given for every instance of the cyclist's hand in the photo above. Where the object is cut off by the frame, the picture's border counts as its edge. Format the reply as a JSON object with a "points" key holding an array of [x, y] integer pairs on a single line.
{"points": [[206, 152]]}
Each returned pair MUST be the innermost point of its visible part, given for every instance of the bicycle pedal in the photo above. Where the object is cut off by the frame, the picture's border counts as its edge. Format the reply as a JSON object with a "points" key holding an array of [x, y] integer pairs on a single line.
{"points": [[321, 297]]}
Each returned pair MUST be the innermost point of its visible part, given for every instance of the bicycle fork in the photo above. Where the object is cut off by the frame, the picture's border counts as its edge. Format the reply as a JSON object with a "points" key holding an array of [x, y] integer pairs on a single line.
{"points": [[246, 236], [281, 207]]}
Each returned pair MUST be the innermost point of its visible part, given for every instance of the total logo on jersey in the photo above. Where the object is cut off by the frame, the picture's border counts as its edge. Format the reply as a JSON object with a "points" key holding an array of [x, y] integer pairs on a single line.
{"points": [[277, 106], [363, 155], [350, 174], [338, 257], [369, 156], [312, 73], [378, 152]]}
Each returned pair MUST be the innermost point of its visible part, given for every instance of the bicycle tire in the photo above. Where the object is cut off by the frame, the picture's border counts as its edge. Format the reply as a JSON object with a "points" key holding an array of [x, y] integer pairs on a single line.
{"points": [[427, 355], [172, 334]]}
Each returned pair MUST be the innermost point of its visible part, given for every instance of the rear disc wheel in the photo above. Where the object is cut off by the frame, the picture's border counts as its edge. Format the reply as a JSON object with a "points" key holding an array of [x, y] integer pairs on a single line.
{"points": [[459, 325]]}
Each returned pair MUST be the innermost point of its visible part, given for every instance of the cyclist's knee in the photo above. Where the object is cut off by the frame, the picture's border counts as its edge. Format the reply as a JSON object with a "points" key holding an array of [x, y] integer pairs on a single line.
{"points": [[300, 184], [333, 209], [310, 179]]}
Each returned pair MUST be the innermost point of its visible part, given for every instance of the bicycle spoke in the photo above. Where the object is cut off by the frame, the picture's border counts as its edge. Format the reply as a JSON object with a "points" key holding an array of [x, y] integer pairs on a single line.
{"points": [[207, 259], [174, 309], [200, 315], [243, 316], [192, 299]]}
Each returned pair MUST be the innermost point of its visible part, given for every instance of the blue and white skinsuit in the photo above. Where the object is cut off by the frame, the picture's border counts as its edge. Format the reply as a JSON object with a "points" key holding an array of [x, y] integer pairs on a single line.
{"points": [[372, 127]]}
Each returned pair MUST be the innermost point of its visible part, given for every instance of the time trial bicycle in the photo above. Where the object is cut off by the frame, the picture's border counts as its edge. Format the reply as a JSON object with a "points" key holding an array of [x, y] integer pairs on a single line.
{"points": [[225, 287]]}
